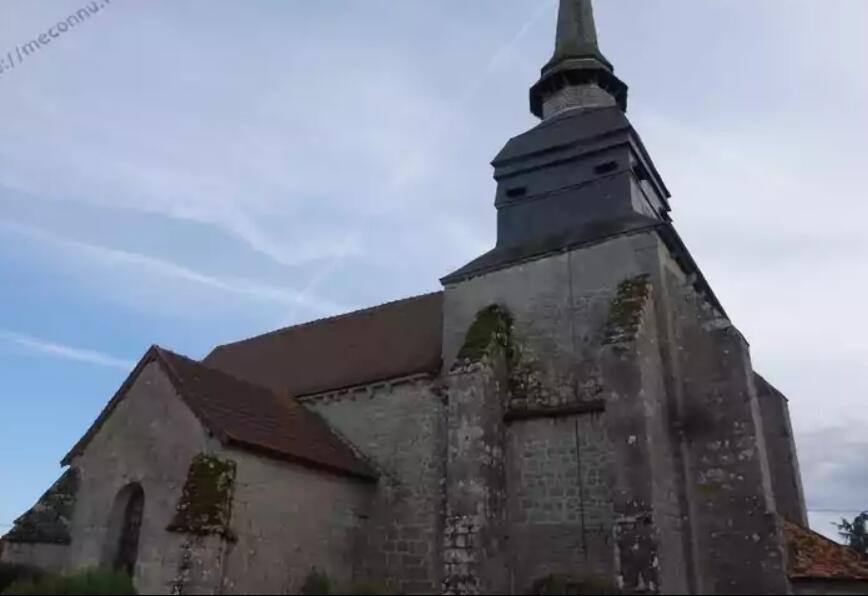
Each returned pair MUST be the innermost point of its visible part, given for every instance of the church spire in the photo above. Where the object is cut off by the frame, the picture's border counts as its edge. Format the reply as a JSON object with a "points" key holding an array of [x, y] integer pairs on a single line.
{"points": [[577, 33], [578, 75]]}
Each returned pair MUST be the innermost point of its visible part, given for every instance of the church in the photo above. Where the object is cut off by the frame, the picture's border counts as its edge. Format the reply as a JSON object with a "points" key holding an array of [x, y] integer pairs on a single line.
{"points": [[574, 406]]}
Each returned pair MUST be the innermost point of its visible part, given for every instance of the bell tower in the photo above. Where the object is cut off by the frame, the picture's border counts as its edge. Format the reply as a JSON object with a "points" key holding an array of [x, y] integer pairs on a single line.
{"points": [[602, 417], [578, 75], [582, 174]]}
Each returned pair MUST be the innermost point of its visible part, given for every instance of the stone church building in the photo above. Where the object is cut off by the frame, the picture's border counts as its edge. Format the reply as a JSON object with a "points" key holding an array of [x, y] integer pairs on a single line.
{"points": [[574, 402]]}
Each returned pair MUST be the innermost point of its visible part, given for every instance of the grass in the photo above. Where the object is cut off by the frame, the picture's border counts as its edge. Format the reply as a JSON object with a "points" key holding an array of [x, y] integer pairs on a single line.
{"points": [[13, 572], [96, 582]]}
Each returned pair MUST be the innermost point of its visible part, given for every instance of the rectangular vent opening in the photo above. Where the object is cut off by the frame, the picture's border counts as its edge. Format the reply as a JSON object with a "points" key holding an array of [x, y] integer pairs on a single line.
{"points": [[517, 191], [606, 168]]}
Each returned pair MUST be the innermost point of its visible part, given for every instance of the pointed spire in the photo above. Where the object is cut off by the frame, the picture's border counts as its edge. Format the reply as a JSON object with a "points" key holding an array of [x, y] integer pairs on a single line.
{"points": [[577, 33], [578, 75]]}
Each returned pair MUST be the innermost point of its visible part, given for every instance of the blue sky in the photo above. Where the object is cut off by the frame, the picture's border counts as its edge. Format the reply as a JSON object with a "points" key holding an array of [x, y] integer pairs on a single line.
{"points": [[191, 173]]}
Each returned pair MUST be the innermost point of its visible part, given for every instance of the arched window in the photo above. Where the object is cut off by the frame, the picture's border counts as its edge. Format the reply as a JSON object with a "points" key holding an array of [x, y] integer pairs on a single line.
{"points": [[125, 522]]}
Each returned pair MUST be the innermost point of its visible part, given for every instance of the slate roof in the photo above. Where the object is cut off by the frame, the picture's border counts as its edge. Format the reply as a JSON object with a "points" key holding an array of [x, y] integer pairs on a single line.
{"points": [[587, 234], [245, 415], [392, 340], [813, 556]]}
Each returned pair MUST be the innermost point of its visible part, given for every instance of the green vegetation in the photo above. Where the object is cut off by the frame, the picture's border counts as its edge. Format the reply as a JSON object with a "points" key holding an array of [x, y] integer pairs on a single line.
{"points": [[96, 582], [11, 573], [567, 584], [206, 501], [491, 328], [856, 533], [625, 310], [48, 521], [491, 333], [318, 583]]}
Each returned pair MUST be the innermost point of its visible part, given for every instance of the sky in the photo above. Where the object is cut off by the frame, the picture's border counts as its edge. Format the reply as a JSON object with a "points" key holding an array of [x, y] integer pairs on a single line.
{"points": [[192, 173]]}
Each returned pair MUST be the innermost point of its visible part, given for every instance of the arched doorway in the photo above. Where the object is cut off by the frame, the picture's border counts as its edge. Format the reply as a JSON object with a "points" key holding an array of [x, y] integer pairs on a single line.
{"points": [[125, 523]]}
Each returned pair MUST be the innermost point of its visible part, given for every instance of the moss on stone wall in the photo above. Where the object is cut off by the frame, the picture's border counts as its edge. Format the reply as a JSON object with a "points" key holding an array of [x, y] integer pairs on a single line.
{"points": [[625, 310], [47, 522], [205, 506], [492, 328]]}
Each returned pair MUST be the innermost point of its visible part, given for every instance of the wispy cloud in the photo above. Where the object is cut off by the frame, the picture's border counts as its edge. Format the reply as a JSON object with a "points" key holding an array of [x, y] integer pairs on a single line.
{"points": [[43, 347], [412, 163], [170, 269], [833, 461]]}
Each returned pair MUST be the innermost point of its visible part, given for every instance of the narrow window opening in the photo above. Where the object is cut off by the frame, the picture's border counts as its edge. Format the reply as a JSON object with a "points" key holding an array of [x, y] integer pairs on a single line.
{"points": [[606, 168], [121, 547], [641, 172]]}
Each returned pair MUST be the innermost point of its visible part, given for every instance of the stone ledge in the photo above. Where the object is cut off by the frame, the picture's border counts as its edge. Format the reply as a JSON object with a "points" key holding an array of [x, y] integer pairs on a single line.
{"points": [[587, 407]]}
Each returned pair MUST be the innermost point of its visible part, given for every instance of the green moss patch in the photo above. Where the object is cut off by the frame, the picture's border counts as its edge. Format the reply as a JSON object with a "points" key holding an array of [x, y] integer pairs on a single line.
{"points": [[206, 501], [625, 310], [490, 333], [47, 522], [491, 329]]}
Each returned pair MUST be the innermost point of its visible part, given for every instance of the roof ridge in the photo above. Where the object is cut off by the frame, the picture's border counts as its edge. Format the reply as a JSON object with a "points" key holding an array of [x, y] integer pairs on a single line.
{"points": [[150, 354], [326, 319], [177, 381], [285, 403], [822, 536], [201, 363], [814, 555], [203, 390]]}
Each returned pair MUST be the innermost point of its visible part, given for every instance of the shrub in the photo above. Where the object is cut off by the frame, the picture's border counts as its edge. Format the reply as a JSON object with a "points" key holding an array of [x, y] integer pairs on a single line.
{"points": [[567, 584], [95, 582], [316, 583], [13, 572]]}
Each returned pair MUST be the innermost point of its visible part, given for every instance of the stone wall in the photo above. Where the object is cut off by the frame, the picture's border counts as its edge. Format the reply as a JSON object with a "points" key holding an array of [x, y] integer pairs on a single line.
{"points": [[560, 498], [475, 535], [41, 536], [648, 535], [781, 447], [619, 325], [736, 536], [150, 438], [276, 522], [287, 520], [399, 427], [47, 557], [561, 306]]}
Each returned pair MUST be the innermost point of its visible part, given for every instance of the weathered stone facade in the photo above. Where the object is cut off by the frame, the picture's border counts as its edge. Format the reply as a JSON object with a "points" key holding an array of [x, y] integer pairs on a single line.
{"points": [[289, 519], [216, 519], [595, 418], [150, 439], [399, 427], [579, 411]]}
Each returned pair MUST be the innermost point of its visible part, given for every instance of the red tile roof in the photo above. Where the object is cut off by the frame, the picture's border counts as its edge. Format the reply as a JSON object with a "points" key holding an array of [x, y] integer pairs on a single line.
{"points": [[384, 342], [243, 414], [813, 556]]}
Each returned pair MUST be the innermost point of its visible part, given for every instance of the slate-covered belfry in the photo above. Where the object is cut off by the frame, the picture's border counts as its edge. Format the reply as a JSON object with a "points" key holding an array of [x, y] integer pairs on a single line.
{"points": [[574, 410]]}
